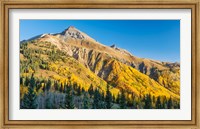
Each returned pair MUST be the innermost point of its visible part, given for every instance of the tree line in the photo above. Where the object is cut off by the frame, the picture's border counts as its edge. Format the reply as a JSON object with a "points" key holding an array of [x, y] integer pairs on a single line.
{"points": [[50, 94]]}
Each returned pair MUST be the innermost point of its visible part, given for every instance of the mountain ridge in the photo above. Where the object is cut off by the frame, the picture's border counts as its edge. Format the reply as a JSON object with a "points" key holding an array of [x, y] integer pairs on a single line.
{"points": [[72, 28]]}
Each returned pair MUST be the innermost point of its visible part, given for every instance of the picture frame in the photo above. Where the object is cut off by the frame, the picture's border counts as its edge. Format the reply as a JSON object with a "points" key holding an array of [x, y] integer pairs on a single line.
{"points": [[101, 4]]}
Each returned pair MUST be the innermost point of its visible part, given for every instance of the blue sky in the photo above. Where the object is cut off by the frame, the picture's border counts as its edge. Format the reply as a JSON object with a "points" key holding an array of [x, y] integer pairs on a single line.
{"points": [[154, 39]]}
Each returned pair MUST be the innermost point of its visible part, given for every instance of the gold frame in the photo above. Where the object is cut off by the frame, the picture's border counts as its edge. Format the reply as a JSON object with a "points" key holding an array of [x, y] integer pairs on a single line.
{"points": [[4, 46]]}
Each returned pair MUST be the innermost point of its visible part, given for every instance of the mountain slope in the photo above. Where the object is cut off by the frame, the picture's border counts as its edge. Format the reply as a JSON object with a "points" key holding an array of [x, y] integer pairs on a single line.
{"points": [[73, 55]]}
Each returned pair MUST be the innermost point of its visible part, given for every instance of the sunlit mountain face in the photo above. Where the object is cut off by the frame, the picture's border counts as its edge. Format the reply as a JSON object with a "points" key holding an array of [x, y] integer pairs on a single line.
{"points": [[71, 70]]}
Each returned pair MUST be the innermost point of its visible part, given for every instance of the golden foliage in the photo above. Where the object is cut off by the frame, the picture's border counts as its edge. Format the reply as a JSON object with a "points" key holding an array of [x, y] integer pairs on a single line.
{"points": [[120, 76], [130, 79], [23, 90]]}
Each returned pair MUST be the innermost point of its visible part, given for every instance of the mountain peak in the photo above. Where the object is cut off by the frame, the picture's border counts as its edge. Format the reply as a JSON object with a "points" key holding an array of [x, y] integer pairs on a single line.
{"points": [[73, 32], [70, 28]]}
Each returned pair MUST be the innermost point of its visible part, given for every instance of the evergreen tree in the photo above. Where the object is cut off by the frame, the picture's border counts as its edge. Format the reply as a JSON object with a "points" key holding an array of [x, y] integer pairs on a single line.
{"points": [[61, 88], [91, 90], [133, 100], [178, 105], [96, 101], [134, 104], [108, 98], [154, 99], [29, 100], [48, 85], [86, 101], [170, 103], [56, 85], [38, 86], [32, 81], [118, 98], [102, 101], [158, 103], [61, 103], [27, 81], [164, 102], [69, 104], [79, 91], [47, 102], [21, 80], [139, 103], [129, 102], [113, 99], [82, 90], [148, 102], [102, 96], [122, 100], [154, 102], [75, 87], [54, 105]]}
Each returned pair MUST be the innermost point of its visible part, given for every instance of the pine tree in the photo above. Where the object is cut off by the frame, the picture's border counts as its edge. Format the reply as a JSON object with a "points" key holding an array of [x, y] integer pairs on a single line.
{"points": [[48, 85], [148, 102], [134, 104], [178, 105], [96, 100], [102, 96], [129, 102], [82, 90], [91, 90], [108, 98], [21, 80], [29, 100], [170, 103], [164, 103], [79, 91], [86, 101], [56, 85], [154, 100], [113, 99], [122, 100], [158, 103], [133, 100], [54, 105], [61, 103], [75, 87], [27, 81], [69, 104], [118, 98], [102, 100], [61, 88], [38, 86], [47, 102]]}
